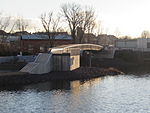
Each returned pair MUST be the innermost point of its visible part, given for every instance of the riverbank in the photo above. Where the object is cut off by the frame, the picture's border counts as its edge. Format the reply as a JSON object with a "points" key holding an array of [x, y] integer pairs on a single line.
{"points": [[124, 66], [127, 61], [20, 78]]}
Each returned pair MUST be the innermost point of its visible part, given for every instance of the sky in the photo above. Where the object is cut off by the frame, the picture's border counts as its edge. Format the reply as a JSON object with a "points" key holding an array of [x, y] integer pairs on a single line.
{"points": [[129, 17]]}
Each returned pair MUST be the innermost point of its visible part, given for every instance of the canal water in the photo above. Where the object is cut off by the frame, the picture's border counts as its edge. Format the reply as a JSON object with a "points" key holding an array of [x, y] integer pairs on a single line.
{"points": [[110, 94]]}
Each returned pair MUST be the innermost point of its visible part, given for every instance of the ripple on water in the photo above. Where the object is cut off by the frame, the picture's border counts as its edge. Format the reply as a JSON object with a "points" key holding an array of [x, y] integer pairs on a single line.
{"points": [[112, 94]]}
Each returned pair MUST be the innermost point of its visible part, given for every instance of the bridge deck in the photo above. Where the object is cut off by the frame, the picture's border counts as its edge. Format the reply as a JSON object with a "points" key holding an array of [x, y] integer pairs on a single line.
{"points": [[77, 46]]}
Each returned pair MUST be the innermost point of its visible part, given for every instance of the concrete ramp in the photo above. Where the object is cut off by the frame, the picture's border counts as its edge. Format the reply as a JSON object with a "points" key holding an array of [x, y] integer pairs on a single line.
{"points": [[41, 65]]}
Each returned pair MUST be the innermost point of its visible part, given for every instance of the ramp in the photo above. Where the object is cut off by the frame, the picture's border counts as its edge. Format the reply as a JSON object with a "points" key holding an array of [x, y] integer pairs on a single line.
{"points": [[41, 65]]}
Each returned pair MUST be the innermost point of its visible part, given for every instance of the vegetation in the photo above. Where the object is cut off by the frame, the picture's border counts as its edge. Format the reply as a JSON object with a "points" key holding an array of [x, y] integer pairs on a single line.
{"points": [[50, 26], [78, 20], [145, 34]]}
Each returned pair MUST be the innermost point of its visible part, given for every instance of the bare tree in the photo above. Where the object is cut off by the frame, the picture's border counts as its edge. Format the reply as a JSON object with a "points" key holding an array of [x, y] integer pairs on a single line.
{"points": [[126, 37], [107, 30], [50, 25], [21, 24], [117, 32], [88, 20], [12, 27], [55, 24], [7, 23], [145, 34], [72, 15], [55, 28], [87, 23], [4, 22], [78, 19], [46, 21], [99, 27]]}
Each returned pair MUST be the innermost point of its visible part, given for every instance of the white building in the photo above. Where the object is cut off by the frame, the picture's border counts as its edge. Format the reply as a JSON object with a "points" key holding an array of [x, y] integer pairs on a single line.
{"points": [[142, 44]]}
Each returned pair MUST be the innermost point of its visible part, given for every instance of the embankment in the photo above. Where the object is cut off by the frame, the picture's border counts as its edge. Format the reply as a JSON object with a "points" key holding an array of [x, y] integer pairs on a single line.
{"points": [[20, 78], [127, 61]]}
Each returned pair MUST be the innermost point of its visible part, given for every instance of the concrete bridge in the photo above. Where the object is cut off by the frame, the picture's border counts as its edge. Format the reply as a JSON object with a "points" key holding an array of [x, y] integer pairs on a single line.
{"points": [[80, 47], [62, 58]]}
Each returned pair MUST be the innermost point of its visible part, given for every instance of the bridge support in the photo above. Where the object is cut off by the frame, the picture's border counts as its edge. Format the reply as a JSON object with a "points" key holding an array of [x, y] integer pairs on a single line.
{"points": [[67, 61]]}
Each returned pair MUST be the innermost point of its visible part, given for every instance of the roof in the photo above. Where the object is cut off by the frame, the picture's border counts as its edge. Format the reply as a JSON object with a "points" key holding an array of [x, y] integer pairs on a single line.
{"points": [[42, 37], [106, 36], [123, 40], [50, 33]]}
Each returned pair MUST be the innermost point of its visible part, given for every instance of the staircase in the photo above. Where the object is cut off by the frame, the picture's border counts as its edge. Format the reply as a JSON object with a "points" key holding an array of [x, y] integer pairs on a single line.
{"points": [[41, 65], [28, 67]]}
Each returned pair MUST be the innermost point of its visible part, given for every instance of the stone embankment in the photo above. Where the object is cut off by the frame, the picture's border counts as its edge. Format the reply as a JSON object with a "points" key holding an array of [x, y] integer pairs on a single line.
{"points": [[20, 78]]}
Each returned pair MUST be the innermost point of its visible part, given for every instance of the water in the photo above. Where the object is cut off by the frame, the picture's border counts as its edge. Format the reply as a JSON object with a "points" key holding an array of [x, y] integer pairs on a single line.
{"points": [[111, 94]]}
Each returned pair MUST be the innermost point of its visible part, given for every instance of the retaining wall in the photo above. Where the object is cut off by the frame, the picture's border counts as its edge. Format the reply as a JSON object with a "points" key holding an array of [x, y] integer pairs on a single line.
{"points": [[8, 59]]}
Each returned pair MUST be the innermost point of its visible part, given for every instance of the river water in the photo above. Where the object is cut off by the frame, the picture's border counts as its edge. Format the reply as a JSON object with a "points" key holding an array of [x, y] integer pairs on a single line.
{"points": [[110, 94]]}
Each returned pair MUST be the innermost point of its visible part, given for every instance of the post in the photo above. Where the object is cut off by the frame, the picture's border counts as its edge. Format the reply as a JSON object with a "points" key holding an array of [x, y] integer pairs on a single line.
{"points": [[90, 59]]}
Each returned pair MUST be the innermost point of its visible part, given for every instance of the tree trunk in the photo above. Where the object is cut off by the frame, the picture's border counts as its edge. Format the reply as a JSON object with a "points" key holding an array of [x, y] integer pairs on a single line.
{"points": [[73, 34]]}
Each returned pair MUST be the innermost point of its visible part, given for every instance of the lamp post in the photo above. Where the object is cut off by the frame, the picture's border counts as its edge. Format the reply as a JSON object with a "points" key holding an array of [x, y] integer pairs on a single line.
{"points": [[90, 58]]}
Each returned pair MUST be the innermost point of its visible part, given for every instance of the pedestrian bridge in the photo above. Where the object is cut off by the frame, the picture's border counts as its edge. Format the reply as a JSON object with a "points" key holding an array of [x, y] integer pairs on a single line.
{"points": [[81, 47], [62, 58]]}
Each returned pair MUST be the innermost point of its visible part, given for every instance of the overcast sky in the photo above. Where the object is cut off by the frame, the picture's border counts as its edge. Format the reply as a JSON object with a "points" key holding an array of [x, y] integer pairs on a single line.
{"points": [[130, 17]]}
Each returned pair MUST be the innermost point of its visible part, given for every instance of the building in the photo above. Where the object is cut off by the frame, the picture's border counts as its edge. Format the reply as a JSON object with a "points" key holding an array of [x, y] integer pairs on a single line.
{"points": [[102, 39], [134, 44], [105, 39], [32, 43], [3, 36], [126, 43], [36, 43], [89, 38]]}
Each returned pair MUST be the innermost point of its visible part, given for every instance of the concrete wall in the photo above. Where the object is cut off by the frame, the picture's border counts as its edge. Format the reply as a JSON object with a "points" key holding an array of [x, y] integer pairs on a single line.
{"points": [[126, 44], [65, 62], [120, 44], [139, 43], [75, 62], [8, 59], [61, 62], [142, 43], [69, 60], [75, 58]]}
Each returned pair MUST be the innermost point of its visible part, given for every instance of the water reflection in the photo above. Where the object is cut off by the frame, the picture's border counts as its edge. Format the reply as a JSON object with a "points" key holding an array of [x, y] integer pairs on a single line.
{"points": [[111, 94], [63, 85], [54, 85]]}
